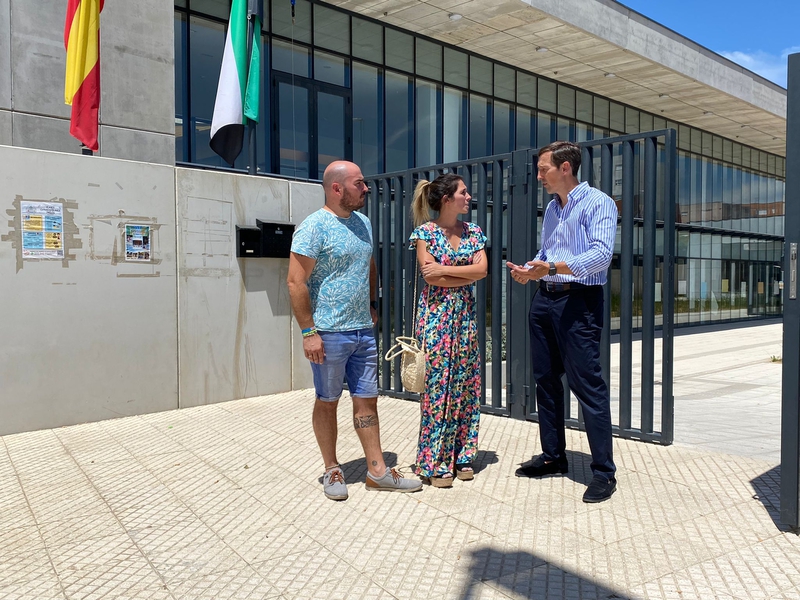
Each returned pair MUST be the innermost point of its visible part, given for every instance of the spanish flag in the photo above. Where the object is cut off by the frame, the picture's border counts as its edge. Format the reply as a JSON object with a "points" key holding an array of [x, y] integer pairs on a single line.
{"points": [[82, 81], [239, 81]]}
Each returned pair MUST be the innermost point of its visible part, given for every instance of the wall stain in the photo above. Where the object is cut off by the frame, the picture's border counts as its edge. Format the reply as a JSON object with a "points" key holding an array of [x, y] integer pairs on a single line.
{"points": [[117, 256], [207, 242]]}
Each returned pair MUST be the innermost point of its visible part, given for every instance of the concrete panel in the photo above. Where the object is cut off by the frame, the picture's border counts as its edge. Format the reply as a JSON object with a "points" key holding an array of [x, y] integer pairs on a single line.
{"points": [[234, 314], [38, 58], [305, 199], [132, 144], [5, 54], [43, 133], [88, 336], [137, 50], [5, 128]]}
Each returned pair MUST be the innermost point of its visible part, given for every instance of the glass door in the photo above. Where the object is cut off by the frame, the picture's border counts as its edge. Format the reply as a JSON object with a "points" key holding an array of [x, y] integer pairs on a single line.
{"points": [[312, 126]]}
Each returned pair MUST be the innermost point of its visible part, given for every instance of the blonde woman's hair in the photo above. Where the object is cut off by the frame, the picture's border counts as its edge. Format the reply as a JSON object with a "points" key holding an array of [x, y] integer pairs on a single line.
{"points": [[429, 195]]}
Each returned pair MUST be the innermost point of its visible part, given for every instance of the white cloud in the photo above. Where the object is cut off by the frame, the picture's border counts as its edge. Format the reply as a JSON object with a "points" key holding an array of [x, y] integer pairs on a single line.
{"points": [[769, 66]]}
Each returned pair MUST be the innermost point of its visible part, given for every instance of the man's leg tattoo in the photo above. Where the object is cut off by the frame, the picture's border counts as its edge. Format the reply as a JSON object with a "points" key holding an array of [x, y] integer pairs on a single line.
{"points": [[362, 422]]}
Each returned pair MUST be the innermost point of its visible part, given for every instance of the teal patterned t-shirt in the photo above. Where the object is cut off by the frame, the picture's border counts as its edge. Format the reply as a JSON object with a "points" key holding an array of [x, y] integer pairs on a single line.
{"points": [[339, 283]]}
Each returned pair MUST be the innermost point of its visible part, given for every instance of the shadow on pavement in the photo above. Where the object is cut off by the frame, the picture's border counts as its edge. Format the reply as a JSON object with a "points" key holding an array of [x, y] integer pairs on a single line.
{"points": [[530, 576], [767, 488], [579, 467], [355, 471], [483, 458]]}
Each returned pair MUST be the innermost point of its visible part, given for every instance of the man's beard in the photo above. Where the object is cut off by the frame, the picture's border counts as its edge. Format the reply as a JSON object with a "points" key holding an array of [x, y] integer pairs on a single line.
{"points": [[352, 202]]}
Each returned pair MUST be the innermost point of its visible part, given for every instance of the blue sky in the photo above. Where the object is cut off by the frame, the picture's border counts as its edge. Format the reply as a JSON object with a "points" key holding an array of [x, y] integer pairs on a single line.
{"points": [[757, 35]]}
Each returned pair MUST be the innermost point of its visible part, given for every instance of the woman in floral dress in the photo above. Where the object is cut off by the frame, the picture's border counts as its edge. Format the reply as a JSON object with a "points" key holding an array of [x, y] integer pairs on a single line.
{"points": [[451, 258]]}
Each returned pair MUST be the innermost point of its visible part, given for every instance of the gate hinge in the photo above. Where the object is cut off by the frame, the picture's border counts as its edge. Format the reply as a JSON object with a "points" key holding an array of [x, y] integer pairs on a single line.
{"points": [[515, 179]]}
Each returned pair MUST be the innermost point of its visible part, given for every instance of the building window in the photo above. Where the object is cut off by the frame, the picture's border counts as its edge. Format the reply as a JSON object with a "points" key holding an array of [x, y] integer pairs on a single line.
{"points": [[367, 40], [480, 75], [331, 29], [399, 50], [300, 29], [429, 59], [367, 130], [428, 124], [399, 118]]}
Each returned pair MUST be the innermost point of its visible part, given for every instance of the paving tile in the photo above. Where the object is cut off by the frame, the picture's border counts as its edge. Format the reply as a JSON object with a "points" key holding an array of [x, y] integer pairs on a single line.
{"points": [[418, 579], [317, 574], [43, 588], [546, 581], [184, 550], [14, 508], [602, 524], [679, 586], [23, 556], [677, 502], [105, 567], [69, 530], [268, 542], [241, 584], [80, 500], [544, 538]]}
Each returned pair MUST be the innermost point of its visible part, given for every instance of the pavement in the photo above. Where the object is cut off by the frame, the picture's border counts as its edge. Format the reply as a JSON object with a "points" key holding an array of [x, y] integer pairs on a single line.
{"points": [[225, 501]]}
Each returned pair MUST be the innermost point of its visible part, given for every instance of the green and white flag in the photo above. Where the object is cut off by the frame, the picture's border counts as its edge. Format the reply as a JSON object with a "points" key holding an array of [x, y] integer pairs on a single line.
{"points": [[239, 82]]}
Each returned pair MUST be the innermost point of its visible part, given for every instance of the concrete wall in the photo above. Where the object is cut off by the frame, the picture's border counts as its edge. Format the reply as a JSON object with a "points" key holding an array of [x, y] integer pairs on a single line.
{"points": [[91, 336], [237, 336], [137, 112]]}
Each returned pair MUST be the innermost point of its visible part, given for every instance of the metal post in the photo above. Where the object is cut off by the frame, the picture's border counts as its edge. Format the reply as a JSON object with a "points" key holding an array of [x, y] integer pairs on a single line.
{"points": [[668, 288], [790, 412], [398, 284], [481, 291], [607, 187], [253, 9], [497, 267], [519, 252], [649, 285], [626, 290]]}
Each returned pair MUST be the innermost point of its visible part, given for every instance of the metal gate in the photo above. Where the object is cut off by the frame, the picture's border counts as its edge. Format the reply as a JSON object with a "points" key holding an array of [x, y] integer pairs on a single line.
{"points": [[639, 172]]}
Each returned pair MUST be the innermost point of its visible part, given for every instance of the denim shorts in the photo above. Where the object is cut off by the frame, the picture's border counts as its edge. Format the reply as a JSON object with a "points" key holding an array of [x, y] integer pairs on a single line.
{"points": [[351, 356]]}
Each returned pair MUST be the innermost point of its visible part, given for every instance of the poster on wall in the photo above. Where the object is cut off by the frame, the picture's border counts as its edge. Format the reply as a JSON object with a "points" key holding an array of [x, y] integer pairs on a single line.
{"points": [[137, 243], [42, 230]]}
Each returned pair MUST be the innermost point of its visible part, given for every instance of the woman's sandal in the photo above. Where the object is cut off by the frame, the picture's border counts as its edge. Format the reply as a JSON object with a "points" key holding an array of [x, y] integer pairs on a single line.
{"points": [[445, 481], [465, 472]]}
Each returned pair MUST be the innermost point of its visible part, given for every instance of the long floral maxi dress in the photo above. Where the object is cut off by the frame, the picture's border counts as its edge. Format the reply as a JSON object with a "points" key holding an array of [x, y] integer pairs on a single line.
{"points": [[450, 404]]}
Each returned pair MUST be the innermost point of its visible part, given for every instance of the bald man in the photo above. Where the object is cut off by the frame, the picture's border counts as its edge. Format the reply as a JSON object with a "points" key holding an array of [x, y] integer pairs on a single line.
{"points": [[333, 288]]}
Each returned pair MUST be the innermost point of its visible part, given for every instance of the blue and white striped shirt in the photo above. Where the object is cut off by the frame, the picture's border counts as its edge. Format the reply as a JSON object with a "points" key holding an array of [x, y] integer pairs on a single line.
{"points": [[581, 234]]}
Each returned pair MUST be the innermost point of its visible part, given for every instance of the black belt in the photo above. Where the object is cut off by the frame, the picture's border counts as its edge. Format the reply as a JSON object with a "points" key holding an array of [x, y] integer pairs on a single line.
{"points": [[555, 286]]}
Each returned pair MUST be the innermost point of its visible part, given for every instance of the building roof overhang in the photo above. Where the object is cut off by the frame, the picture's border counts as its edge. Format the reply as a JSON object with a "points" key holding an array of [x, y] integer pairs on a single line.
{"points": [[654, 68]]}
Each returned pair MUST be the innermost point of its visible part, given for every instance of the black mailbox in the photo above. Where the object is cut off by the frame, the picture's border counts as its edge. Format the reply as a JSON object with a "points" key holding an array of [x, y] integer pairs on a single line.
{"points": [[248, 242], [276, 239]]}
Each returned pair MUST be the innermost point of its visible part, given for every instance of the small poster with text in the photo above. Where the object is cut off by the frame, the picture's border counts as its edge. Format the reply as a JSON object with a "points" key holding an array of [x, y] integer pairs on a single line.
{"points": [[42, 230], [137, 243]]}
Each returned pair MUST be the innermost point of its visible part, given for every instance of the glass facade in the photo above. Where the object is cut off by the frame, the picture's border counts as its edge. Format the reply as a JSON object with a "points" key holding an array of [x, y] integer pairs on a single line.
{"points": [[337, 85]]}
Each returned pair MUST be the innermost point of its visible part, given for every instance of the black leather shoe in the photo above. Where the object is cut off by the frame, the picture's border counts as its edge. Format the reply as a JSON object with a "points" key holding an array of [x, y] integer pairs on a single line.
{"points": [[539, 468], [600, 489]]}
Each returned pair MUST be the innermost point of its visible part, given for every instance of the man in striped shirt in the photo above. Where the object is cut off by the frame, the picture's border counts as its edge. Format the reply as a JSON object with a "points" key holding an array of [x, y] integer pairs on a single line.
{"points": [[566, 316]]}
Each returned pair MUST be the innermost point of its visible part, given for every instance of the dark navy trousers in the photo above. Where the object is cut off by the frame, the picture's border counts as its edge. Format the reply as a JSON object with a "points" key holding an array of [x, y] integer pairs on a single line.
{"points": [[565, 331]]}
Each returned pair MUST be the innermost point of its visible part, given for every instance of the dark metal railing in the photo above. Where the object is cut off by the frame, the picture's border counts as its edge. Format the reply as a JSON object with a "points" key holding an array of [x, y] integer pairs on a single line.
{"points": [[508, 203]]}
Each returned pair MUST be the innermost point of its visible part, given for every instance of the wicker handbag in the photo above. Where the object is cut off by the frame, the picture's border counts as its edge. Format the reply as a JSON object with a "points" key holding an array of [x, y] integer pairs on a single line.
{"points": [[412, 362], [412, 355]]}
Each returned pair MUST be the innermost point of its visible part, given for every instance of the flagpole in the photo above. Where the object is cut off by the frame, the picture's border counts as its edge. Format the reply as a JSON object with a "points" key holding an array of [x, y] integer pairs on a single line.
{"points": [[252, 9]]}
